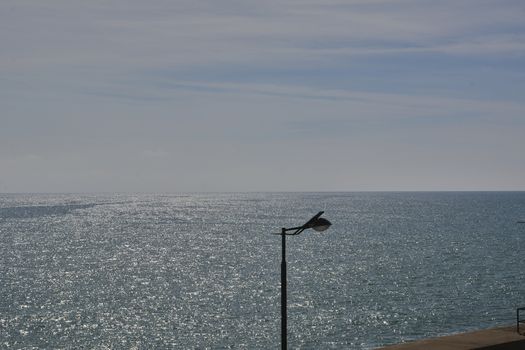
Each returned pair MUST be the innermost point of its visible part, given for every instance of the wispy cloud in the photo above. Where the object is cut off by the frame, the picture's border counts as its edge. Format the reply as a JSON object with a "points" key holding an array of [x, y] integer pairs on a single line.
{"points": [[135, 34]]}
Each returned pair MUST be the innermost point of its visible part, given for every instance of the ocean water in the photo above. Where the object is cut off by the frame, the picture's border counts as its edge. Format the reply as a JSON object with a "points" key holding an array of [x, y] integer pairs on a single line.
{"points": [[202, 271]]}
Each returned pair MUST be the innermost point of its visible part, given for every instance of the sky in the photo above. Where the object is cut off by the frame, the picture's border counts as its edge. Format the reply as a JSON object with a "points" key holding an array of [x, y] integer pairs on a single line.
{"points": [[288, 95]]}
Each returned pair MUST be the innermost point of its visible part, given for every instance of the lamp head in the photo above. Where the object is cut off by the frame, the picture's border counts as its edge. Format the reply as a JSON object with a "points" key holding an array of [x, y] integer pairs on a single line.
{"points": [[321, 224]]}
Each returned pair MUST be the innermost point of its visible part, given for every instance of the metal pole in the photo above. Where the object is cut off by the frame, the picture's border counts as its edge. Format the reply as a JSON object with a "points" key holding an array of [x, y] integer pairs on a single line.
{"points": [[284, 340]]}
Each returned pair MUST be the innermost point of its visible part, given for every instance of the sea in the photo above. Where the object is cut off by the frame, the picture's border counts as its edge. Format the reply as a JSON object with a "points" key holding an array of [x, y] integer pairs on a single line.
{"points": [[202, 270]]}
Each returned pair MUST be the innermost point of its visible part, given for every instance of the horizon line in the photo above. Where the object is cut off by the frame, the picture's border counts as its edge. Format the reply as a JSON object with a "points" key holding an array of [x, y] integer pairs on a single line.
{"points": [[264, 191]]}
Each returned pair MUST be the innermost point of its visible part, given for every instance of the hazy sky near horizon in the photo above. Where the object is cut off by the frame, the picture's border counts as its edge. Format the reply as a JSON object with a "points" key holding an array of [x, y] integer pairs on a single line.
{"points": [[288, 95]]}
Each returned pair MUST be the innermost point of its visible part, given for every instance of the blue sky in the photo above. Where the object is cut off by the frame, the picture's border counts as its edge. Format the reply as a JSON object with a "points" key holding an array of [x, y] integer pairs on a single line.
{"points": [[312, 95]]}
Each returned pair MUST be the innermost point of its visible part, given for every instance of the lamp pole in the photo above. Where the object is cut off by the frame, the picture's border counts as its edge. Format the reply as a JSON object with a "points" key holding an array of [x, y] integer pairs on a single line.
{"points": [[284, 314], [317, 223]]}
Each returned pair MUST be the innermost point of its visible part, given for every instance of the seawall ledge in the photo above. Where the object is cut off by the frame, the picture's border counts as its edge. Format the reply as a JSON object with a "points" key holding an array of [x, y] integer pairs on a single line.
{"points": [[500, 338]]}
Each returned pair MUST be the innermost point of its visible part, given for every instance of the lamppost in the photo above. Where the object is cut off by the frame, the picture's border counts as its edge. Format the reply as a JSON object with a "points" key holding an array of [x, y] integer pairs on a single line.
{"points": [[317, 223]]}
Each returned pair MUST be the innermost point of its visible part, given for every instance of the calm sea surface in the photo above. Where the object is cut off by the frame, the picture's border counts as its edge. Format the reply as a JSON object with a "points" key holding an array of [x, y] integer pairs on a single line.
{"points": [[203, 270]]}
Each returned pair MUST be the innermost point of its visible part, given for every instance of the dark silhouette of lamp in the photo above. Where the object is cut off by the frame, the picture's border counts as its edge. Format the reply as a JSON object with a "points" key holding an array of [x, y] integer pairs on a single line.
{"points": [[318, 224]]}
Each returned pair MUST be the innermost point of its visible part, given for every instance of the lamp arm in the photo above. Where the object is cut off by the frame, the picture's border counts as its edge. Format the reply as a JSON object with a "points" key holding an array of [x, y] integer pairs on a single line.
{"points": [[294, 228], [299, 229]]}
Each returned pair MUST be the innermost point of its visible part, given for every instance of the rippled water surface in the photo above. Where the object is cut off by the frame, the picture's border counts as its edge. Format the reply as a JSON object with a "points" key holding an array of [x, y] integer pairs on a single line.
{"points": [[202, 270]]}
